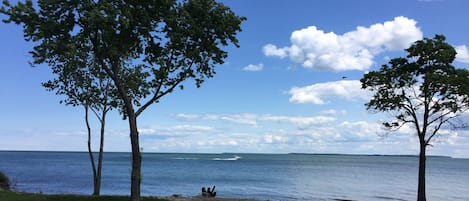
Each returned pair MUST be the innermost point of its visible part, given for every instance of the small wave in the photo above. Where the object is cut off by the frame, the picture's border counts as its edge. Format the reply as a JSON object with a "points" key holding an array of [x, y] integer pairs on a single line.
{"points": [[235, 158]]}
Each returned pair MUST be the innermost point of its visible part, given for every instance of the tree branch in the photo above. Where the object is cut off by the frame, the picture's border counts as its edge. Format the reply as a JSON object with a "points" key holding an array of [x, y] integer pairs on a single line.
{"points": [[410, 109], [437, 128], [158, 95], [441, 117]]}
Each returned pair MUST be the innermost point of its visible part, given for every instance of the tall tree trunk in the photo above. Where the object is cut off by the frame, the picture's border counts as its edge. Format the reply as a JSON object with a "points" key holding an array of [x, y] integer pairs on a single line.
{"points": [[97, 186], [136, 158], [421, 195], [93, 165], [135, 179]]}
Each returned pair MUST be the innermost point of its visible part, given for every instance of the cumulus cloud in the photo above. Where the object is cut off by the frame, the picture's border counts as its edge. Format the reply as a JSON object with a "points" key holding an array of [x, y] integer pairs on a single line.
{"points": [[254, 67], [272, 50], [462, 54], [317, 93], [354, 50]]}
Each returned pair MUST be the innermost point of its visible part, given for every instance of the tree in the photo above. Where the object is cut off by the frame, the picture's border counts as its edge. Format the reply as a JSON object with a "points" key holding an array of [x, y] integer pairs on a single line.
{"points": [[147, 48], [82, 84], [423, 90]]}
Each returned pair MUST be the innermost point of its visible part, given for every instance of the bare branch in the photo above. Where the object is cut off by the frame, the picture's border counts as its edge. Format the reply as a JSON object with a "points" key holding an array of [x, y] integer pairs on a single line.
{"points": [[437, 128]]}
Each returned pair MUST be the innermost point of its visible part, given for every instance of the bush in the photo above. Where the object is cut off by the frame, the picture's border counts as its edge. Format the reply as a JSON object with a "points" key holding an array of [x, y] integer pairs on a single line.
{"points": [[4, 181]]}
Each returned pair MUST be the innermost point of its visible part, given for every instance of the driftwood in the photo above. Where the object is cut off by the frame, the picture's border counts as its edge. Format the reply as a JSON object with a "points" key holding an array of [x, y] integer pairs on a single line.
{"points": [[209, 192]]}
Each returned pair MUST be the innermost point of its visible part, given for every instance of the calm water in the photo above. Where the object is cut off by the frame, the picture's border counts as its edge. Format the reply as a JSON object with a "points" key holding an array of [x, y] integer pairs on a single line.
{"points": [[262, 176]]}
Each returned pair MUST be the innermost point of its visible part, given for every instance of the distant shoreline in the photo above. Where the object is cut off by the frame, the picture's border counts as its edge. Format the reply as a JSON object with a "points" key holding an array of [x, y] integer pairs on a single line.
{"points": [[385, 155]]}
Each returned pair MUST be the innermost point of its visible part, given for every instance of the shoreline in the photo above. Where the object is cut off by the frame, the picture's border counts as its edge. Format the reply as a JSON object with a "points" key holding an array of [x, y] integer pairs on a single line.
{"points": [[13, 195]]}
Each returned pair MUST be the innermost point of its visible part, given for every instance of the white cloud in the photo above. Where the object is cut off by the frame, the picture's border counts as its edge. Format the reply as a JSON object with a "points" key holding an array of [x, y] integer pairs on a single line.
{"points": [[354, 50], [272, 50], [254, 119], [254, 67], [354, 137], [187, 116], [274, 139], [297, 120], [361, 130], [249, 119], [462, 54], [352, 131], [146, 131], [190, 128], [333, 112], [176, 130], [317, 93]]}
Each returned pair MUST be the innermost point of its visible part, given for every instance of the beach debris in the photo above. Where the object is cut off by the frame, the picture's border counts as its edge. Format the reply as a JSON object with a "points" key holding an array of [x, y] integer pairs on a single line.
{"points": [[209, 192]]}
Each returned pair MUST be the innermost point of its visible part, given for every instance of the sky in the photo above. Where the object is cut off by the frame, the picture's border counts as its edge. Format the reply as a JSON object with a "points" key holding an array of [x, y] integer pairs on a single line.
{"points": [[292, 86]]}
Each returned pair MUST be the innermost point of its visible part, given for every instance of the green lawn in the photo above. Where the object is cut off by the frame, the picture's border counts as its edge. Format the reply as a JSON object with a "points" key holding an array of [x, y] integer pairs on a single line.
{"points": [[15, 196]]}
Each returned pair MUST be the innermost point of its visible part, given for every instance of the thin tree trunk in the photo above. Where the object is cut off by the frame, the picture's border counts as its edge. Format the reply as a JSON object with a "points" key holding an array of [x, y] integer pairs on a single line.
{"points": [[136, 158], [421, 195], [97, 187], [93, 165]]}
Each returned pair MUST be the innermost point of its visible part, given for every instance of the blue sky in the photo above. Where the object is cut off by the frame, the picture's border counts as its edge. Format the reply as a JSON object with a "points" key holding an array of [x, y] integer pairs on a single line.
{"points": [[282, 91]]}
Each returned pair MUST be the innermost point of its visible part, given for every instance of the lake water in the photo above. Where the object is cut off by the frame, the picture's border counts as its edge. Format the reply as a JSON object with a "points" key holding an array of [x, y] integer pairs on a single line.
{"points": [[261, 176]]}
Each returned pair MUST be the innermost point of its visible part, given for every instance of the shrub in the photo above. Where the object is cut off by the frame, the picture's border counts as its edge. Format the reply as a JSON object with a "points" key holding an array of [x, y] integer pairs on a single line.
{"points": [[4, 181]]}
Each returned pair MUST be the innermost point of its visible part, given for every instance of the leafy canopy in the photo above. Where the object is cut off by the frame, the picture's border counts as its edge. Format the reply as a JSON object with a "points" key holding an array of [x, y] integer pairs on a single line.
{"points": [[422, 89], [147, 47]]}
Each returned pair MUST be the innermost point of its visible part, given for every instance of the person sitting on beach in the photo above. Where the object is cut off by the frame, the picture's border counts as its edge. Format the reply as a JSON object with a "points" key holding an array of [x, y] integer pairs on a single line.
{"points": [[205, 193], [209, 192], [212, 192]]}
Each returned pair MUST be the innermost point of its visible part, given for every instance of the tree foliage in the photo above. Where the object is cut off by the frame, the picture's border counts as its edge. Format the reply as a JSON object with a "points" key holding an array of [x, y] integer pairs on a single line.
{"points": [[423, 90], [152, 46]]}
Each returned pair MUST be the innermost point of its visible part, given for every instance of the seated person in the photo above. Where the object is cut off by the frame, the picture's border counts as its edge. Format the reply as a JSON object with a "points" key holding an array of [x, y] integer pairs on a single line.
{"points": [[209, 192], [212, 192], [204, 193]]}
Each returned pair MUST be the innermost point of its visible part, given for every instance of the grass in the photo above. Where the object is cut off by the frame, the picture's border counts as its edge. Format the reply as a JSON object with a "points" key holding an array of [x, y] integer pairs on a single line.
{"points": [[6, 195]]}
